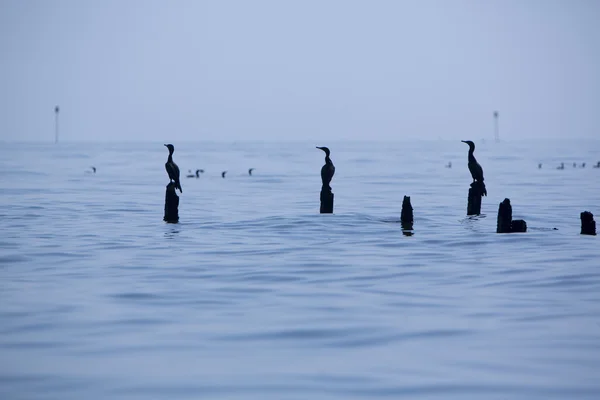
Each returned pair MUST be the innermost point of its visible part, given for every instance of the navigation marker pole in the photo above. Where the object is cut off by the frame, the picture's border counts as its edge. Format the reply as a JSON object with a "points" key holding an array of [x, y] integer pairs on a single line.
{"points": [[56, 111], [496, 131]]}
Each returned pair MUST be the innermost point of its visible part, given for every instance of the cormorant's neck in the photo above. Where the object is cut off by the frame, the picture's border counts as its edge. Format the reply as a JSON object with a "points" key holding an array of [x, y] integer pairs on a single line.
{"points": [[328, 160], [471, 156], [170, 157]]}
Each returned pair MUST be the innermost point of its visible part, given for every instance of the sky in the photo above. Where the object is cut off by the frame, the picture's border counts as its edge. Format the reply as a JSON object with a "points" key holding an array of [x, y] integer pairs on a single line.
{"points": [[147, 70]]}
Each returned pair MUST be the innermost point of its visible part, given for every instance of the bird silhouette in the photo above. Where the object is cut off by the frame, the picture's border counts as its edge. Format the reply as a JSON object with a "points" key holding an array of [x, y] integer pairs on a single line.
{"points": [[172, 168], [475, 167], [328, 170]]}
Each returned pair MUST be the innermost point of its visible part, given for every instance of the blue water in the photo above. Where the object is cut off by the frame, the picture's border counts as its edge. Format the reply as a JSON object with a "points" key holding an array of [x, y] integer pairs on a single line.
{"points": [[254, 295]]}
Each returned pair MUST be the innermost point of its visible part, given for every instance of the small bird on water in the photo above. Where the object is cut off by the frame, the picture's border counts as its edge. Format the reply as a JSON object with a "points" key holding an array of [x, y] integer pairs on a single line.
{"points": [[561, 166], [250, 171], [172, 168], [449, 165], [474, 167], [597, 165], [328, 170], [223, 174]]}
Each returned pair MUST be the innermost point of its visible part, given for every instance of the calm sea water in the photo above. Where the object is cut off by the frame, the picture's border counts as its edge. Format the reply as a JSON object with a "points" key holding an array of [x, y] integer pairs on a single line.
{"points": [[254, 295]]}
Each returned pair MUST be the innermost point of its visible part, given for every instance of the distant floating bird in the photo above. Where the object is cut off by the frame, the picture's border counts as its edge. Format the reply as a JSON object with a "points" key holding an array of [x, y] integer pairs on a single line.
{"points": [[328, 170], [561, 166], [172, 168], [597, 165], [190, 175], [94, 169], [474, 167], [250, 171], [574, 165], [582, 165], [198, 172], [223, 174], [449, 165], [540, 166]]}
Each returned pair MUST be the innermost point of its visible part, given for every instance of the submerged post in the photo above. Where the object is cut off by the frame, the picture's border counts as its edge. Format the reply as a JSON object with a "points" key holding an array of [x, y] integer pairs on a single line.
{"points": [[588, 225], [474, 201], [171, 204], [504, 217], [406, 217]]}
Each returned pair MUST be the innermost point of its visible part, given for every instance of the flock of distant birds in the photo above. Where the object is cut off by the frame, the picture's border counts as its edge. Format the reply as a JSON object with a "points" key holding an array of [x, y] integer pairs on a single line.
{"points": [[328, 170], [561, 166]]}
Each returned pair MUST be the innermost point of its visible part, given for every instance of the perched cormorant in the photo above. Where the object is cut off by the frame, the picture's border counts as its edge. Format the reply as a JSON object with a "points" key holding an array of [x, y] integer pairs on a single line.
{"points": [[223, 174], [172, 168], [561, 166], [250, 171], [474, 167], [328, 170]]}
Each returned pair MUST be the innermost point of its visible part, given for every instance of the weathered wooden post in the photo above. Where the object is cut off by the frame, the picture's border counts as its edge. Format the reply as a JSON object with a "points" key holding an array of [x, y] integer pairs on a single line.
{"points": [[588, 225], [504, 217], [326, 201], [406, 217], [518, 225], [505, 222], [171, 204], [474, 201]]}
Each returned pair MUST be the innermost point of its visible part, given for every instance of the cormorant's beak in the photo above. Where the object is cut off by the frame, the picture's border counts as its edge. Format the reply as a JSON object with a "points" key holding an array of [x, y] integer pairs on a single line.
{"points": [[464, 141], [165, 145]]}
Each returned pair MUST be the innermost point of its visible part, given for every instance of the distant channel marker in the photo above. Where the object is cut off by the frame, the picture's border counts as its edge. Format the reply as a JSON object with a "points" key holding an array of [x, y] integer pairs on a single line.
{"points": [[56, 112]]}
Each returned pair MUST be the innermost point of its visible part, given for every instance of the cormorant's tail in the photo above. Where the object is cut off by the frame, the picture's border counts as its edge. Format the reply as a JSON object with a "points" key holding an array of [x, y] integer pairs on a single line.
{"points": [[178, 186], [483, 189]]}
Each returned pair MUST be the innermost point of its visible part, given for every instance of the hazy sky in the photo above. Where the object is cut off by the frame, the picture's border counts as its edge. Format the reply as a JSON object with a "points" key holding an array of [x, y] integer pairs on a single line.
{"points": [[298, 69]]}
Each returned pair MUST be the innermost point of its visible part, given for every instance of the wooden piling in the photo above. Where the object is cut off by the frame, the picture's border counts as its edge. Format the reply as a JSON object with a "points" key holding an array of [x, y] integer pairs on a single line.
{"points": [[171, 204], [406, 216], [518, 225], [505, 222], [588, 225], [474, 202], [326, 201], [504, 217]]}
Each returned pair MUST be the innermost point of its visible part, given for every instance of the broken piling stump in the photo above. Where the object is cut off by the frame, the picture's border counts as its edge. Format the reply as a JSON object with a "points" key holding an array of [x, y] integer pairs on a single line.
{"points": [[505, 222], [326, 201], [171, 204], [474, 202], [406, 216], [588, 225]]}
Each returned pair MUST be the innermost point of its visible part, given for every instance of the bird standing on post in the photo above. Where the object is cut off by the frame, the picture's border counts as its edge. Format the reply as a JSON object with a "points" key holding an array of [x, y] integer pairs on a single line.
{"points": [[328, 170], [475, 168], [172, 168]]}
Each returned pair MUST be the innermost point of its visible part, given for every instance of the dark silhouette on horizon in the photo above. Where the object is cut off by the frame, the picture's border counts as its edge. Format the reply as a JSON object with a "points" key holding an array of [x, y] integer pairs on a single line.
{"points": [[328, 170], [223, 174], [94, 169], [190, 175], [597, 165], [540, 166], [561, 166], [475, 167], [196, 175], [172, 168], [250, 171], [449, 165]]}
